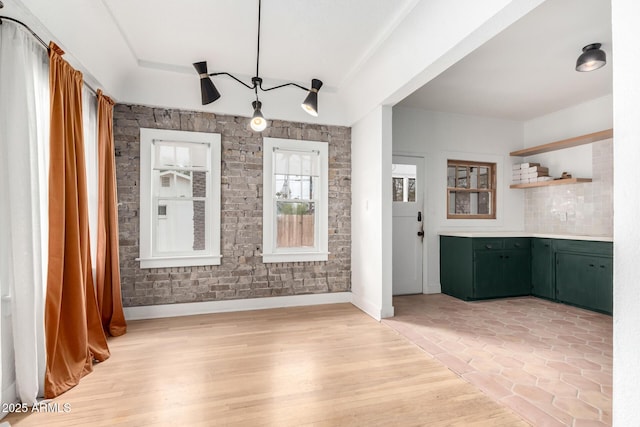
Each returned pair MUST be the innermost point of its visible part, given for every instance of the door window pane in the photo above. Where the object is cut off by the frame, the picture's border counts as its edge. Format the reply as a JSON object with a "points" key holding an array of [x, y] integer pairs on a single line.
{"points": [[411, 190], [398, 189], [404, 182]]}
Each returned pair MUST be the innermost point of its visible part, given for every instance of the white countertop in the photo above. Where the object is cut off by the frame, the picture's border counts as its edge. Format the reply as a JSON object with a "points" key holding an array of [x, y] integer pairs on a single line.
{"points": [[525, 234]]}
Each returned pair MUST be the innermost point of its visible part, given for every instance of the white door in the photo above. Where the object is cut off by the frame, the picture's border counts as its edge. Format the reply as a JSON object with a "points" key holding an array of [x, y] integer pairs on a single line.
{"points": [[408, 215]]}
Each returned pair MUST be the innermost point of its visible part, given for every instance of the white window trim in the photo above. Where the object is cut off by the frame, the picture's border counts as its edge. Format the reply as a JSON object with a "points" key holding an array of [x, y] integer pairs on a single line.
{"points": [[147, 260], [269, 252]]}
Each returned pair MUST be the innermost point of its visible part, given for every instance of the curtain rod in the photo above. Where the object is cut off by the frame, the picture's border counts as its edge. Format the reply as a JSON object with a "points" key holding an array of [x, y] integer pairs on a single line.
{"points": [[42, 42]]}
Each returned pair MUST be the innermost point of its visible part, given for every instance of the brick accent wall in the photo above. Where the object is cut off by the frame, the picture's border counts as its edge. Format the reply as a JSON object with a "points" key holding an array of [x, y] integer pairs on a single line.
{"points": [[242, 274]]}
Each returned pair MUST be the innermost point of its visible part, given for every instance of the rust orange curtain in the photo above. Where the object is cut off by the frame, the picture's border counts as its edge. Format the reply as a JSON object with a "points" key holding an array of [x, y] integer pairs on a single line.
{"points": [[74, 335], [108, 260]]}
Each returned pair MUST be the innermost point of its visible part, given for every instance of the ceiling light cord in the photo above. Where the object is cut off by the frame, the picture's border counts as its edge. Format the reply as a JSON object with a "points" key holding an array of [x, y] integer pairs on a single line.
{"points": [[258, 123], [258, 50]]}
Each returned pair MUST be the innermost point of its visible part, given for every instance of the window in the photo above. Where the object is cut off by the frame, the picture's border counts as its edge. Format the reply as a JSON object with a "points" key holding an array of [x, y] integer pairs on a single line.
{"points": [[471, 190], [404, 182], [295, 203], [179, 198]]}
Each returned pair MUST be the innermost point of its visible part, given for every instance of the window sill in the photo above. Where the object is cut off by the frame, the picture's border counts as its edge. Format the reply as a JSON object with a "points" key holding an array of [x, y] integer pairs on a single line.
{"points": [[179, 261], [295, 257]]}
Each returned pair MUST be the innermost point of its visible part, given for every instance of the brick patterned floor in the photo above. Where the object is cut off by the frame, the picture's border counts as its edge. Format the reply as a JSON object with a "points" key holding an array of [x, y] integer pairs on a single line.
{"points": [[550, 363]]}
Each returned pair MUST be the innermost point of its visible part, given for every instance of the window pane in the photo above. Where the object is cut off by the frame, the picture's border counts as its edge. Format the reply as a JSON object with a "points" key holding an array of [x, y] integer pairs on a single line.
{"points": [[180, 154], [182, 227], [483, 178], [451, 176], [462, 177], [295, 224], [411, 190], [294, 187], [297, 163], [484, 203], [473, 181], [180, 183], [462, 203], [398, 189], [470, 203]]}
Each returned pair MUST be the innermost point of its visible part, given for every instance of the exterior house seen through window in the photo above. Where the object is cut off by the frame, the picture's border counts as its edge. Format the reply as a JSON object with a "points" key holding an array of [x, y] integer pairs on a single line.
{"points": [[471, 190], [179, 198]]}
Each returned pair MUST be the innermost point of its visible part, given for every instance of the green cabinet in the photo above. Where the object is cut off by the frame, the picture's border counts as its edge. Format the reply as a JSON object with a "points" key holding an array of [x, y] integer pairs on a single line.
{"points": [[584, 275], [574, 272], [542, 268], [456, 267], [501, 267]]}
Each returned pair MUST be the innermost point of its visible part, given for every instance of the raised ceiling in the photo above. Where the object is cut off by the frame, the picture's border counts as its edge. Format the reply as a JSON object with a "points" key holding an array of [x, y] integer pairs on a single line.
{"points": [[141, 52], [327, 39], [527, 70]]}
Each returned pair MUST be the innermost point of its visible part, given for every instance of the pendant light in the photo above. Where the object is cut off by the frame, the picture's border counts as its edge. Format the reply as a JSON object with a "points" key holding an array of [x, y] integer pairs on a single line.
{"points": [[592, 58], [258, 123]]}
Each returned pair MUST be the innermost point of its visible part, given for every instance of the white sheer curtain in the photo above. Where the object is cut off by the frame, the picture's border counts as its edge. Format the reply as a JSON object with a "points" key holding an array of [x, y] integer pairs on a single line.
{"points": [[90, 133], [24, 147]]}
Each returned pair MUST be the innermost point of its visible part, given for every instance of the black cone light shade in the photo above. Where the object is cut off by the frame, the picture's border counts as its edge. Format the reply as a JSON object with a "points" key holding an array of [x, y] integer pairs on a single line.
{"points": [[592, 58], [310, 104], [258, 122], [207, 88]]}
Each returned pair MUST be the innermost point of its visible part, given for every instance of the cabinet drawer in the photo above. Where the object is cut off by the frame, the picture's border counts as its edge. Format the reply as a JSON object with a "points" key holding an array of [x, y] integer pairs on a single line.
{"points": [[585, 247], [487, 244], [517, 243]]}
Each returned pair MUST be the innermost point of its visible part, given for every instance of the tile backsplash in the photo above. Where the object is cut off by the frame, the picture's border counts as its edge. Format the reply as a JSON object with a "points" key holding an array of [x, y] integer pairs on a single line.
{"points": [[585, 208]]}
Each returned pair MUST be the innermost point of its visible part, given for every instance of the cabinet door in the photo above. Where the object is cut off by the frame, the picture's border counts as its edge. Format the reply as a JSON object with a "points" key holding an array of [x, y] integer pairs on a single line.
{"points": [[584, 280], [517, 272], [456, 267], [604, 285], [542, 268], [488, 269]]}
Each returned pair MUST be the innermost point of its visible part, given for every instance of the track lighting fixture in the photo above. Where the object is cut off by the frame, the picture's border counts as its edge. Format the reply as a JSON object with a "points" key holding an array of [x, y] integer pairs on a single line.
{"points": [[592, 58], [258, 122]]}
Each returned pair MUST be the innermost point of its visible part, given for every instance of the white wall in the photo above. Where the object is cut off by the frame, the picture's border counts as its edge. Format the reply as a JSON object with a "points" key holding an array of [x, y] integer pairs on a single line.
{"points": [[440, 136], [574, 209], [588, 117], [370, 217], [626, 296]]}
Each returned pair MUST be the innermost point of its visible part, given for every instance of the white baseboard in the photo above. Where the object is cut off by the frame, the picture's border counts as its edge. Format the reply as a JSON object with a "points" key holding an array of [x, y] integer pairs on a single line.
{"points": [[387, 312], [366, 306], [207, 307], [433, 288]]}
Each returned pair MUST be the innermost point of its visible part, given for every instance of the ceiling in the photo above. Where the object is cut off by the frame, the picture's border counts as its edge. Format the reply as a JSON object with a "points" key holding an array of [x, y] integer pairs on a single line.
{"points": [[141, 52], [527, 70], [300, 39]]}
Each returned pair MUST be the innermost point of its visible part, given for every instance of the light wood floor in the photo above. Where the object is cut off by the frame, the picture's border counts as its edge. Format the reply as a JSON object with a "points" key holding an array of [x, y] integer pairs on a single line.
{"points": [[322, 365]]}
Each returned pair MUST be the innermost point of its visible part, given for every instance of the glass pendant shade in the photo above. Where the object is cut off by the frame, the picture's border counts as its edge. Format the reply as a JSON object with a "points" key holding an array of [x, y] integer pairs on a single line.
{"points": [[592, 58]]}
